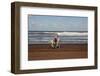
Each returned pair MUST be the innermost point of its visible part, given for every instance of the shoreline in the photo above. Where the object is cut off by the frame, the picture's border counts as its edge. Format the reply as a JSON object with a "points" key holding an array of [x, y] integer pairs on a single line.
{"points": [[66, 51]]}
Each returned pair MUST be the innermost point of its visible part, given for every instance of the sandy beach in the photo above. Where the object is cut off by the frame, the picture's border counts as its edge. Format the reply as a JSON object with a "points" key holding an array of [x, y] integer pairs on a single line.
{"points": [[66, 51]]}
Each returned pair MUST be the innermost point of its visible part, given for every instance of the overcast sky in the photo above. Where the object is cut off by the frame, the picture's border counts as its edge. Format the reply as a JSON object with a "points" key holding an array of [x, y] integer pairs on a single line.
{"points": [[57, 23]]}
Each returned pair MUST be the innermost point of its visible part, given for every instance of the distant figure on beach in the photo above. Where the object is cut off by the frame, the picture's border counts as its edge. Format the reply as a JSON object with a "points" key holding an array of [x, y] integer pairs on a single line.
{"points": [[55, 41]]}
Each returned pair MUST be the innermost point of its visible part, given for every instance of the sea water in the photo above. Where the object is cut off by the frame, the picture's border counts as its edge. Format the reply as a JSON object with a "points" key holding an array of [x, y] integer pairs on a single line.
{"points": [[65, 37]]}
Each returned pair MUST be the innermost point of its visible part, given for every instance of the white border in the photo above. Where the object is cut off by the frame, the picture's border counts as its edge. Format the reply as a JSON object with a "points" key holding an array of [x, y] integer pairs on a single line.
{"points": [[25, 64]]}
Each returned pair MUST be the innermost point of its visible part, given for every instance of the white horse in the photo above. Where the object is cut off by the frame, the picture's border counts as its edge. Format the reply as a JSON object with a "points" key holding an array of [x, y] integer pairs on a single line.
{"points": [[53, 43]]}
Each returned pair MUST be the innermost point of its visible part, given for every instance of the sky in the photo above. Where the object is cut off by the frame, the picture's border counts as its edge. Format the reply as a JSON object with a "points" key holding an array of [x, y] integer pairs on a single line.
{"points": [[57, 23]]}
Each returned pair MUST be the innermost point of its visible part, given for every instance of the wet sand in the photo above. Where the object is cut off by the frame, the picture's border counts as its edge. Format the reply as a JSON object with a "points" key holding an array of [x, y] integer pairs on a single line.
{"points": [[66, 51]]}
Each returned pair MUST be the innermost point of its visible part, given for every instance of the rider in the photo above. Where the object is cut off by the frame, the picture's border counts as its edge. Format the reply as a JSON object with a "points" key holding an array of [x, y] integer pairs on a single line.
{"points": [[56, 41]]}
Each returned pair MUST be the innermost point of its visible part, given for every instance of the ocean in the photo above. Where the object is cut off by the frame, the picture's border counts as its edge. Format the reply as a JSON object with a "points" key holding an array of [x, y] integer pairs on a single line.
{"points": [[64, 37]]}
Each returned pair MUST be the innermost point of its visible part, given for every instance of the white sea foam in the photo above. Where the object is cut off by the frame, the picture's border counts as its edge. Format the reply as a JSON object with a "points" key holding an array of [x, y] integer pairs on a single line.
{"points": [[72, 34]]}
